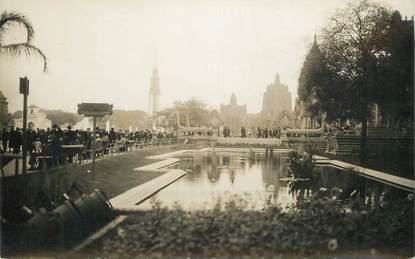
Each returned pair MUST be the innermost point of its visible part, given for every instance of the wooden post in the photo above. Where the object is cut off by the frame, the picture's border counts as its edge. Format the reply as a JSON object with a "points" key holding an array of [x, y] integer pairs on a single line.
{"points": [[94, 110], [93, 147], [24, 89]]}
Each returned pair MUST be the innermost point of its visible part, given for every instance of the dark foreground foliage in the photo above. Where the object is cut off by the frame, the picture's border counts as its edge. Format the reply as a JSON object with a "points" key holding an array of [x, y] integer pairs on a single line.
{"points": [[320, 225]]}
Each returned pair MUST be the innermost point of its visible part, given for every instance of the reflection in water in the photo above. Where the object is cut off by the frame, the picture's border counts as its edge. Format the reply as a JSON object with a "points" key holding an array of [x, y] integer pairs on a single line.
{"points": [[259, 179], [214, 177]]}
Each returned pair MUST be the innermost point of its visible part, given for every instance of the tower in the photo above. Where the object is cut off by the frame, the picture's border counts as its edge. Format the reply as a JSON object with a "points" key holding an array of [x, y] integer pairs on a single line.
{"points": [[277, 98], [234, 115], [154, 94]]}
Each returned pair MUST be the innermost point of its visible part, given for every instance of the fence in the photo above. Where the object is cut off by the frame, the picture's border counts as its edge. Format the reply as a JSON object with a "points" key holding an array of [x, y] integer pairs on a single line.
{"points": [[52, 156]]}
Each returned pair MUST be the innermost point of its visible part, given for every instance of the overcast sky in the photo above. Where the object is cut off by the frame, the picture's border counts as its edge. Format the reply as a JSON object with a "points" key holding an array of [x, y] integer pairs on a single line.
{"points": [[105, 50]]}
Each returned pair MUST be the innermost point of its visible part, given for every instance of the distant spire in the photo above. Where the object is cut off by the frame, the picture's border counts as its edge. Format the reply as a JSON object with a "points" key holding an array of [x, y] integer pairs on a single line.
{"points": [[315, 48], [315, 40], [233, 99], [155, 72], [277, 79]]}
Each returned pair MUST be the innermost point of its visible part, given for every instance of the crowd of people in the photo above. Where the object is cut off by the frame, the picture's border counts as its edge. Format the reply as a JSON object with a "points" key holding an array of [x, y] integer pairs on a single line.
{"points": [[263, 132], [268, 132], [50, 142]]}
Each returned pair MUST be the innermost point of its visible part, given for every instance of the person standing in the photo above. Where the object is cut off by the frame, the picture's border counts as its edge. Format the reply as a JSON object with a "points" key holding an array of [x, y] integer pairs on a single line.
{"points": [[17, 141], [69, 136], [243, 132], [31, 137], [112, 136], [5, 139]]}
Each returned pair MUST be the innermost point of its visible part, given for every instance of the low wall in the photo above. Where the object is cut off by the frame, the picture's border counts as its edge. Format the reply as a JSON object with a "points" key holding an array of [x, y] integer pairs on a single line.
{"points": [[317, 143], [271, 142], [238, 142], [350, 145]]}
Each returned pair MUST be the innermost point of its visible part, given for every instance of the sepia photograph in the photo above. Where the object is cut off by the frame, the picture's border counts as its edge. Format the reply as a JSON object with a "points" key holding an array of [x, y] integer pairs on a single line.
{"points": [[207, 129]]}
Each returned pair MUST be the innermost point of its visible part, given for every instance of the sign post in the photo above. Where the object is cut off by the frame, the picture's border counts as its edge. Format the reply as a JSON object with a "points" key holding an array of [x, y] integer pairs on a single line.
{"points": [[94, 110], [24, 89]]}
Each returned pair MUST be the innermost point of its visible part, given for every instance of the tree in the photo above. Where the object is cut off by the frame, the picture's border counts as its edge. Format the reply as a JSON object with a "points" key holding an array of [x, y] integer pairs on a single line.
{"points": [[396, 84], [352, 45], [8, 18], [310, 76], [125, 119], [167, 118], [60, 117], [197, 113], [192, 113]]}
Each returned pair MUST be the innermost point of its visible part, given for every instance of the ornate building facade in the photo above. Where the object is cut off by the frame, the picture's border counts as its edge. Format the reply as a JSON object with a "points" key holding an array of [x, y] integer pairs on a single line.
{"points": [[276, 99], [234, 116], [5, 116], [35, 119], [154, 94], [304, 119]]}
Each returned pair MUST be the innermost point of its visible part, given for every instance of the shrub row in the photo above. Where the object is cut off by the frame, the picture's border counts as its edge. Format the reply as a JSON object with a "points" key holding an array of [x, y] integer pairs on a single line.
{"points": [[317, 225]]}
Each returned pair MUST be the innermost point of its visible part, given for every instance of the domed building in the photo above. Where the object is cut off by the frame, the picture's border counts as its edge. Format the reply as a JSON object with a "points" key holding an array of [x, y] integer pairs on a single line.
{"points": [[5, 116]]}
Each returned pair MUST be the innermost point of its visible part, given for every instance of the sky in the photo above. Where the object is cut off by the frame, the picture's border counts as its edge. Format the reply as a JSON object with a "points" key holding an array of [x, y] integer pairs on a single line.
{"points": [[105, 50]]}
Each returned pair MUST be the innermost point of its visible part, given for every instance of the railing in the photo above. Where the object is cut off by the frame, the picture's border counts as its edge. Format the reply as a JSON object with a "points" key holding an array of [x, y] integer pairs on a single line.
{"points": [[51, 157]]}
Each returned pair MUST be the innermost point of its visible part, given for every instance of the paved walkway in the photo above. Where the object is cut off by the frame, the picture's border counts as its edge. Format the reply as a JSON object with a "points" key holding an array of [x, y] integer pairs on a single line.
{"points": [[390, 179], [115, 174]]}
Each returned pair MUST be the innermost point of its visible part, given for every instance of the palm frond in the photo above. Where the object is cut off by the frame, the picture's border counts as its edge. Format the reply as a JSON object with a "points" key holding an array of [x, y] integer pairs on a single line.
{"points": [[20, 48], [7, 17]]}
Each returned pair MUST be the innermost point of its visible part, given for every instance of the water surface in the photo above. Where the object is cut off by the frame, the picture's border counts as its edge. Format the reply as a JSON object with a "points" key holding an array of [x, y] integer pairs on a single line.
{"points": [[255, 180]]}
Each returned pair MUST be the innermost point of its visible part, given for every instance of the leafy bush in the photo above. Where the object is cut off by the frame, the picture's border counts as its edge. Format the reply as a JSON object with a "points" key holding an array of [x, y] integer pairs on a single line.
{"points": [[300, 164], [319, 225]]}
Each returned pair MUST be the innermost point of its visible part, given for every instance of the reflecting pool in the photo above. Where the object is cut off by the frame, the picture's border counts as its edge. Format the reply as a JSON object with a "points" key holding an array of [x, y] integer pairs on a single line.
{"points": [[256, 180]]}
